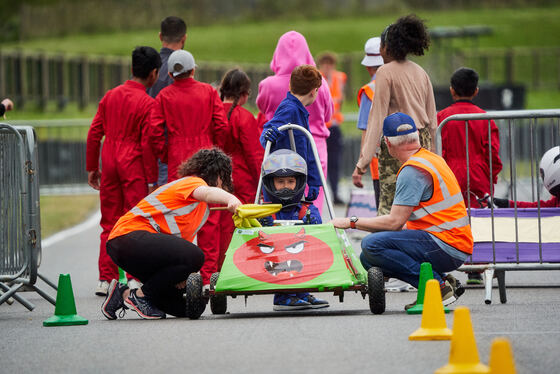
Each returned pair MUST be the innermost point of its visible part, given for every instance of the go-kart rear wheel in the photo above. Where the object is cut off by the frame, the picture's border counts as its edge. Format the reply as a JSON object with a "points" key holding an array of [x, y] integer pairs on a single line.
{"points": [[376, 290], [194, 300], [218, 303]]}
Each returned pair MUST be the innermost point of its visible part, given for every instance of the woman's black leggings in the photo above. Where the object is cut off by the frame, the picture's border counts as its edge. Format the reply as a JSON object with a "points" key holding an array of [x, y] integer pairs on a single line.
{"points": [[160, 261]]}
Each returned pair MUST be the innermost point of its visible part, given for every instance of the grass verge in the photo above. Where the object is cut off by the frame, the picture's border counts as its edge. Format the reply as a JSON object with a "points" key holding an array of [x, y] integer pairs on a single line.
{"points": [[60, 212]]}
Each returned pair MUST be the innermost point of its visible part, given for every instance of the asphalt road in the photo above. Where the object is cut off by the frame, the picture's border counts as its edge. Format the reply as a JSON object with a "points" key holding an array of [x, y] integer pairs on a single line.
{"points": [[343, 338]]}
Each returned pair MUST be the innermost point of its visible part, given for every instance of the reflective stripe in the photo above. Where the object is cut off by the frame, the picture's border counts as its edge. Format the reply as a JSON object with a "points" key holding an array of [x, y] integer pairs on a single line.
{"points": [[461, 222], [168, 214], [148, 216], [434, 208], [206, 214], [442, 185]]}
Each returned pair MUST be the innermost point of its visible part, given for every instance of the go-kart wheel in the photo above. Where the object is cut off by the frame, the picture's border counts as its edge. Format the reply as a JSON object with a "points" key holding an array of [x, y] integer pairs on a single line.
{"points": [[194, 300], [218, 303], [376, 290]]}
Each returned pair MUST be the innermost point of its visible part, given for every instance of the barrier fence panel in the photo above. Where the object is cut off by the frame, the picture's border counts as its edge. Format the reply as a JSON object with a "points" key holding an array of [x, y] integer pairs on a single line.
{"points": [[512, 238], [20, 230]]}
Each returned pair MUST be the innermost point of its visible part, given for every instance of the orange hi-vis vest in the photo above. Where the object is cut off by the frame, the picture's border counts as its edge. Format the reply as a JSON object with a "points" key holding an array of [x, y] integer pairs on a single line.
{"points": [[337, 82], [444, 215], [171, 209], [369, 90]]}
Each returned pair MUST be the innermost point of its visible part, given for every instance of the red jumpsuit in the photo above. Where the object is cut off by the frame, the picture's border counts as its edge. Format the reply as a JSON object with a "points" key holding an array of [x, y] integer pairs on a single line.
{"points": [[453, 150], [246, 154], [195, 119], [127, 161]]}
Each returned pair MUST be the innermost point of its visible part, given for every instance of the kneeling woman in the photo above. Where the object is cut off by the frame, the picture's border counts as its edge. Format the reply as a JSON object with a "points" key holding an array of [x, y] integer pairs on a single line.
{"points": [[153, 241]]}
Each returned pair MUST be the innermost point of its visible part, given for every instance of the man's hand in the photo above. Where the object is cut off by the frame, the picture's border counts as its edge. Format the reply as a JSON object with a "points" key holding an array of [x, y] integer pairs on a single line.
{"points": [[341, 223], [94, 178], [272, 134], [357, 178], [152, 187], [233, 203]]}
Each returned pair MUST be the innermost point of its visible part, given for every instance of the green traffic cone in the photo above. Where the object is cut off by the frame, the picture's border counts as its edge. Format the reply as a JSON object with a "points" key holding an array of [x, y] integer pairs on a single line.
{"points": [[426, 274], [122, 277], [65, 310]]}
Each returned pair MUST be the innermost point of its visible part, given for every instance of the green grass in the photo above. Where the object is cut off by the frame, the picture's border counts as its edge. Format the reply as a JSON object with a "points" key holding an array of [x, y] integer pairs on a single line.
{"points": [[255, 42], [60, 212]]}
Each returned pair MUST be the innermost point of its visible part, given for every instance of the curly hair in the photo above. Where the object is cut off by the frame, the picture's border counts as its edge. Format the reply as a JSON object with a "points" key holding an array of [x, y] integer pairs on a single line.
{"points": [[407, 35], [209, 164], [234, 84]]}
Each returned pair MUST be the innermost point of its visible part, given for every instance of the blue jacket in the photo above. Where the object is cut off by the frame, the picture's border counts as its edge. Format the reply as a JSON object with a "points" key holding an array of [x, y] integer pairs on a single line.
{"points": [[291, 110]]}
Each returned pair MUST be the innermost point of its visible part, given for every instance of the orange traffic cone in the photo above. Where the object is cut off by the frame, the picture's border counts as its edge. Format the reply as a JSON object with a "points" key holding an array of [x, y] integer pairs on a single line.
{"points": [[433, 325], [463, 356], [501, 357]]}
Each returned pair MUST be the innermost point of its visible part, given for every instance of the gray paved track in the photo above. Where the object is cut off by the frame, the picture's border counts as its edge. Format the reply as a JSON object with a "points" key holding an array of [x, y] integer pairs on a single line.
{"points": [[252, 339]]}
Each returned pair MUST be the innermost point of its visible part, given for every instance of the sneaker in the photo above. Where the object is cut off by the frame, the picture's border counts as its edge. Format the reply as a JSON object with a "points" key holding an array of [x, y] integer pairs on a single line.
{"points": [[114, 300], [474, 278], [448, 296], [143, 307], [206, 291], [290, 303], [133, 284], [315, 302], [102, 287], [397, 285], [455, 284]]}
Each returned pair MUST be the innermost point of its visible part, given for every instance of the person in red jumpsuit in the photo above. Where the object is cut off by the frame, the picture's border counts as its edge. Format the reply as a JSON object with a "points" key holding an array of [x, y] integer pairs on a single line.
{"points": [[128, 166], [244, 149], [464, 87], [195, 119]]}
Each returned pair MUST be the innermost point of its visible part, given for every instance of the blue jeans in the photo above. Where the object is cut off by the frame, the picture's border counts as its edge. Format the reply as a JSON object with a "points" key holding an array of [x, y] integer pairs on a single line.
{"points": [[399, 254]]}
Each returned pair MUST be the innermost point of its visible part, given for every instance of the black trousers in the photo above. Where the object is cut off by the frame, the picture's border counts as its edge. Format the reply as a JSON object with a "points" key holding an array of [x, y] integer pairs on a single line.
{"points": [[160, 261]]}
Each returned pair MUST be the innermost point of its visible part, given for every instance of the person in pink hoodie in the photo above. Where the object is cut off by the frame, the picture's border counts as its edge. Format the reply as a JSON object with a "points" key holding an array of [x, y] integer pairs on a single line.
{"points": [[292, 51]]}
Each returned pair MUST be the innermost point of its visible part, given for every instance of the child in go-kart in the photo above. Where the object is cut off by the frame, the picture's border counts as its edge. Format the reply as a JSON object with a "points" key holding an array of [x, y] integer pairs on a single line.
{"points": [[284, 178]]}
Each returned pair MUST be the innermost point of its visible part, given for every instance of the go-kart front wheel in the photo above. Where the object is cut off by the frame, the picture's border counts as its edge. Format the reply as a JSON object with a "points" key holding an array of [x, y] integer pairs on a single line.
{"points": [[218, 303], [194, 300], [376, 290]]}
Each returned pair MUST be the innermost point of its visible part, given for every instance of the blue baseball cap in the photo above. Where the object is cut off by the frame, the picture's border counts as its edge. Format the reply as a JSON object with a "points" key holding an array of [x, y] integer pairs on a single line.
{"points": [[392, 122]]}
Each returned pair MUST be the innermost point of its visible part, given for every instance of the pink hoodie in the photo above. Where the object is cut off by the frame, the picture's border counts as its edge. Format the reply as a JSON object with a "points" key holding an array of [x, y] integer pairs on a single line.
{"points": [[292, 51]]}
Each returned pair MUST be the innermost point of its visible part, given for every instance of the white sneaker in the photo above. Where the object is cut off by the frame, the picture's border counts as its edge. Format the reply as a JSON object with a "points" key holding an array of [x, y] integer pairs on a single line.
{"points": [[102, 287], [133, 283], [397, 285], [206, 290]]}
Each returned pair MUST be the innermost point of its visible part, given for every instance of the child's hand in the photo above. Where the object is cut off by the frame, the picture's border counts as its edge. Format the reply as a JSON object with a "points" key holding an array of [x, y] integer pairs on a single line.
{"points": [[312, 193], [266, 221], [272, 134]]}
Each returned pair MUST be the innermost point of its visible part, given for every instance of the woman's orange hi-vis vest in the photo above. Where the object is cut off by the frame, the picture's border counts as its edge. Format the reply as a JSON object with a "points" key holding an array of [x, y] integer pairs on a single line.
{"points": [[444, 215], [369, 90], [336, 87], [170, 209]]}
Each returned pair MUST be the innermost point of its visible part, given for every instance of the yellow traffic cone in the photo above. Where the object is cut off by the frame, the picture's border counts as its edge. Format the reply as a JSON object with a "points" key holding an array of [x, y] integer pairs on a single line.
{"points": [[501, 357], [463, 356], [433, 325]]}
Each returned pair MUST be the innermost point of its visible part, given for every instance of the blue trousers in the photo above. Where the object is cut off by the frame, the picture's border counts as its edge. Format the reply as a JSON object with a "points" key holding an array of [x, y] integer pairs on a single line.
{"points": [[399, 254]]}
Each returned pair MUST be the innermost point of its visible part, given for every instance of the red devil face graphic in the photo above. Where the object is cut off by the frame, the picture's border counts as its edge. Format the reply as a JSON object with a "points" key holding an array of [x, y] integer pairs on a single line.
{"points": [[283, 258]]}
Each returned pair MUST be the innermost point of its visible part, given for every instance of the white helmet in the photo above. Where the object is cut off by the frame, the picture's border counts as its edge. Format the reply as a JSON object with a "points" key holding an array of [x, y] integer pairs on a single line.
{"points": [[550, 170]]}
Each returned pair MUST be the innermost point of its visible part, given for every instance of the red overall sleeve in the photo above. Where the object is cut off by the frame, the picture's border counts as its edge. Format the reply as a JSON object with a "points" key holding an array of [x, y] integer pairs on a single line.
{"points": [[95, 134]]}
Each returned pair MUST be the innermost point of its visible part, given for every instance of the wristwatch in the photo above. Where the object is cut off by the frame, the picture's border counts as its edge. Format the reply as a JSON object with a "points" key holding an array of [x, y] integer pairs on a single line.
{"points": [[353, 221]]}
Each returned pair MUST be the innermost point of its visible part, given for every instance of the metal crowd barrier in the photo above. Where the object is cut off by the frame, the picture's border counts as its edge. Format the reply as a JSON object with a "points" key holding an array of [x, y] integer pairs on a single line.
{"points": [[20, 229], [526, 135]]}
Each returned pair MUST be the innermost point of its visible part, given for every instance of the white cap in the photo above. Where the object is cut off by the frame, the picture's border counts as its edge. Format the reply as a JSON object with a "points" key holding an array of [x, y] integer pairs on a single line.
{"points": [[180, 62], [372, 57]]}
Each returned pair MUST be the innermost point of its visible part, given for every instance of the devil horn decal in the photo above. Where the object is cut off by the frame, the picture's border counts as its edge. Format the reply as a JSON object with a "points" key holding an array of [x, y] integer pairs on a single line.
{"points": [[301, 233], [263, 235]]}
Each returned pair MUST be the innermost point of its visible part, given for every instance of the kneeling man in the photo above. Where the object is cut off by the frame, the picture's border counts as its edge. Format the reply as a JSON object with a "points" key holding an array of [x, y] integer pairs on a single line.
{"points": [[428, 220]]}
